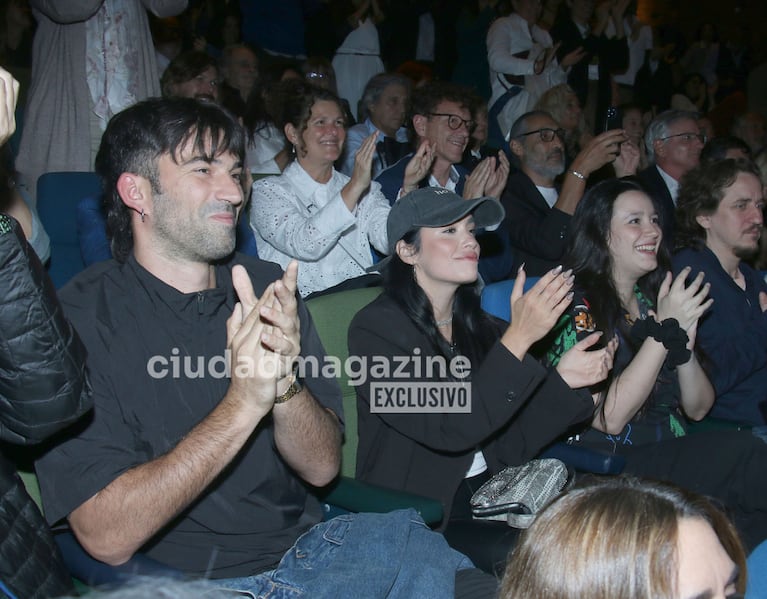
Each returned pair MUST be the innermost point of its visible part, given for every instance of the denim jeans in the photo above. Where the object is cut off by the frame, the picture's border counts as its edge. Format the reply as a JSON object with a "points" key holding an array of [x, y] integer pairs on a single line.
{"points": [[361, 555]]}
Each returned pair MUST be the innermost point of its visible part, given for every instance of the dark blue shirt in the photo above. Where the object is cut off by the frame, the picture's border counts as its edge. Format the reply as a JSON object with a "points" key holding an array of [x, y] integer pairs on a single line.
{"points": [[733, 337]]}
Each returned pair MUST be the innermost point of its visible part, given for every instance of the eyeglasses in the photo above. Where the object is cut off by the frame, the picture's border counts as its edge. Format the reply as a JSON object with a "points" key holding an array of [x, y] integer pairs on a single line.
{"points": [[687, 137], [455, 122], [547, 134]]}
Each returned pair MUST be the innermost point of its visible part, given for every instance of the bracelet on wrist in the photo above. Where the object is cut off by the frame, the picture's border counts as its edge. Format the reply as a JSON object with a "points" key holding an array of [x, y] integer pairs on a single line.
{"points": [[578, 174], [293, 388], [669, 333]]}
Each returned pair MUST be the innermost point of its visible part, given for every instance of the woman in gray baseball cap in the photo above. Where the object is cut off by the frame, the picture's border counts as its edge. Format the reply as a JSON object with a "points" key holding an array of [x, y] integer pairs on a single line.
{"points": [[450, 395]]}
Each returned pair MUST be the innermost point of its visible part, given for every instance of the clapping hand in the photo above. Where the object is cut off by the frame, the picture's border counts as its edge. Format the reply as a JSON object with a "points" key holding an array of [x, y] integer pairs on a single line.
{"points": [[488, 178], [418, 167], [363, 165], [685, 304], [535, 312], [263, 336]]}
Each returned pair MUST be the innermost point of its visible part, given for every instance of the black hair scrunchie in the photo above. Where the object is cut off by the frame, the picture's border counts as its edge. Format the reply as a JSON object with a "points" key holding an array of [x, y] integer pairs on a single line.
{"points": [[669, 333]]}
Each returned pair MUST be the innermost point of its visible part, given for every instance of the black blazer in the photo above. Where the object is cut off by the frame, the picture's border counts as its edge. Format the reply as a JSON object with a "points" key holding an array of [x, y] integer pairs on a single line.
{"points": [[517, 408], [656, 188], [538, 234]]}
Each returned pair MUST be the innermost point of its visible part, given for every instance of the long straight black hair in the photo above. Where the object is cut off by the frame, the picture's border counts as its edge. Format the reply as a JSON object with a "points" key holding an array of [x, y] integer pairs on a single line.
{"points": [[474, 331]]}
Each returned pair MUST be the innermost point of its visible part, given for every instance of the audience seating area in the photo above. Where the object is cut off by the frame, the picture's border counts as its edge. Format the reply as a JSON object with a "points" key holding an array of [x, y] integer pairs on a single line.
{"points": [[332, 315], [58, 195]]}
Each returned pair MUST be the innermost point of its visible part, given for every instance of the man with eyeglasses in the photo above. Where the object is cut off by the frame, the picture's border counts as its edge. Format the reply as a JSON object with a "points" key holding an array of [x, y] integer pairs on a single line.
{"points": [[442, 121], [674, 142], [538, 212]]}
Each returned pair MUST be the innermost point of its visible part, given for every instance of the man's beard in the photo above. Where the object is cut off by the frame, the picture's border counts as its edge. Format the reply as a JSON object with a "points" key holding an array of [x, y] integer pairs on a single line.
{"points": [[549, 169], [746, 252]]}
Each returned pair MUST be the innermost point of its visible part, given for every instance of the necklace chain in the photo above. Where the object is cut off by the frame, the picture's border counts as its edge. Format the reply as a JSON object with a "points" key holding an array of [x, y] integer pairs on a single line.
{"points": [[445, 322]]}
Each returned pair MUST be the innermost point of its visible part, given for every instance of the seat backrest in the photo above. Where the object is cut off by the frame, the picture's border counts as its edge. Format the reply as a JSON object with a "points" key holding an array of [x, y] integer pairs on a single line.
{"points": [[246, 240], [332, 315], [58, 195], [496, 297]]}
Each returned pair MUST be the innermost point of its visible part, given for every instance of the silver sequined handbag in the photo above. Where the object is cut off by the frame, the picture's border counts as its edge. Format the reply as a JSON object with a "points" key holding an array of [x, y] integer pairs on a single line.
{"points": [[517, 493]]}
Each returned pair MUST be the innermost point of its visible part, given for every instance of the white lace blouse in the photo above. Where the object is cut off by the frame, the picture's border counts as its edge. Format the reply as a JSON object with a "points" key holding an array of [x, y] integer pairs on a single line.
{"points": [[294, 216]]}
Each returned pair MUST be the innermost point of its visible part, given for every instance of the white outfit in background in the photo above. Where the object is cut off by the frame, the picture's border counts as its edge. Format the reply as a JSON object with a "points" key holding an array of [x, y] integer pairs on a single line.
{"points": [[91, 59], [268, 142], [637, 49], [356, 61], [509, 36]]}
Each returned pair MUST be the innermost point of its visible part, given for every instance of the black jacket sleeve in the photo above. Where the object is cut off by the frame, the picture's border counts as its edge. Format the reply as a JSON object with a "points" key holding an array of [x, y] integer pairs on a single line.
{"points": [[500, 387], [538, 234], [43, 385]]}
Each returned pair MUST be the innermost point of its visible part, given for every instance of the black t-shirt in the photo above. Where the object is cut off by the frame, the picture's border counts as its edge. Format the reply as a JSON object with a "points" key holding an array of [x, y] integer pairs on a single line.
{"points": [[157, 369]]}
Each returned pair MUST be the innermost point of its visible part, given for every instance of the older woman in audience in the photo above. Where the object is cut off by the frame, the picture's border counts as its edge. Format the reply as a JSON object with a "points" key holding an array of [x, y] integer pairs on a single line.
{"points": [[312, 213], [627, 538], [658, 383], [384, 105]]}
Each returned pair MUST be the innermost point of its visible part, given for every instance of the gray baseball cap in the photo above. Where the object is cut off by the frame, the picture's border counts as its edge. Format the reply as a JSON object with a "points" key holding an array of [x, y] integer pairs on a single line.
{"points": [[436, 207]]}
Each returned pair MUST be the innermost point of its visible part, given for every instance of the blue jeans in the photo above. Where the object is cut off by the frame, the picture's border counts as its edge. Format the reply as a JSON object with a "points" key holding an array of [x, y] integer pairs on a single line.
{"points": [[361, 555]]}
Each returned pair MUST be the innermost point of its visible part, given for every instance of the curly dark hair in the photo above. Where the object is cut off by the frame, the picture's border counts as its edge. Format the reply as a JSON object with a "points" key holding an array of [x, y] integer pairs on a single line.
{"points": [[425, 99], [701, 190], [297, 98], [183, 68]]}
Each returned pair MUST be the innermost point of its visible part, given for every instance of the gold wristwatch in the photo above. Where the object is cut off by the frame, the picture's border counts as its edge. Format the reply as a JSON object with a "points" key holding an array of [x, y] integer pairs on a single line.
{"points": [[294, 388]]}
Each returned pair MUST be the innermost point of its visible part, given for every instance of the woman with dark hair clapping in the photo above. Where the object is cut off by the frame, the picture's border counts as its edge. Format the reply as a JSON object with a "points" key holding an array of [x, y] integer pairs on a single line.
{"points": [[658, 382], [426, 339]]}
